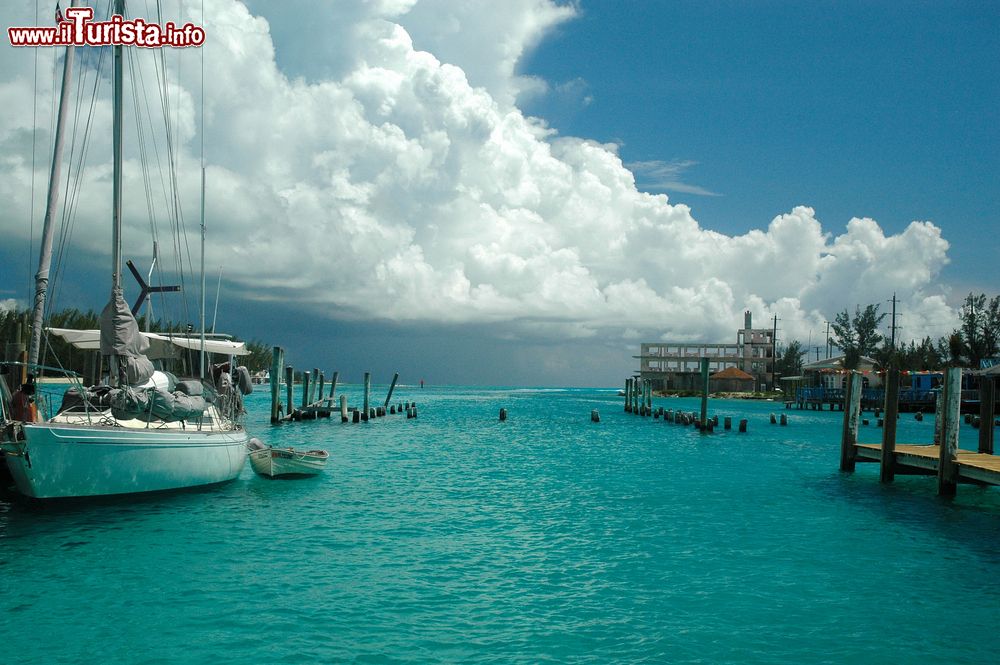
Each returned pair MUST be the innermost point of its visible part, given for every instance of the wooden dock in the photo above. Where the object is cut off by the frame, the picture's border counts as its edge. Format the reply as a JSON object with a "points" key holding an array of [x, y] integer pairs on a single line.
{"points": [[942, 458], [925, 460]]}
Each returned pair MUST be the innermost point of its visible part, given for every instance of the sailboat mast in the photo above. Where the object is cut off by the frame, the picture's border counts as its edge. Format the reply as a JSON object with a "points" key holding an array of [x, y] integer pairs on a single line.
{"points": [[116, 205], [48, 228], [202, 363], [202, 133]]}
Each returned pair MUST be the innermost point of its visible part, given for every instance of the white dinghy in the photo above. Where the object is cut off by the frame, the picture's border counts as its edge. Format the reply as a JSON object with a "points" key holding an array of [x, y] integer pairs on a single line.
{"points": [[271, 462]]}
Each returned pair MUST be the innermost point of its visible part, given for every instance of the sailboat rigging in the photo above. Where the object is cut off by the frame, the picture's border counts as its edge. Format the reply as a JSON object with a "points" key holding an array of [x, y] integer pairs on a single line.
{"points": [[144, 430]]}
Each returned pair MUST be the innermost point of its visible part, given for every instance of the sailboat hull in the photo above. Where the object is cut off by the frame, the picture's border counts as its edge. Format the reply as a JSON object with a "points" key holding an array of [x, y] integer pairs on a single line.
{"points": [[57, 460]]}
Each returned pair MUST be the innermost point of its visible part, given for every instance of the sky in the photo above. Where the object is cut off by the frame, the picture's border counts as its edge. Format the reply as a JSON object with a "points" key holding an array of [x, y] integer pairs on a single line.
{"points": [[520, 193]]}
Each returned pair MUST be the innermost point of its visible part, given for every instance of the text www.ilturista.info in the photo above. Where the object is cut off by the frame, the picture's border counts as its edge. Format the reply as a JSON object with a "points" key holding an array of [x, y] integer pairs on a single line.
{"points": [[79, 29]]}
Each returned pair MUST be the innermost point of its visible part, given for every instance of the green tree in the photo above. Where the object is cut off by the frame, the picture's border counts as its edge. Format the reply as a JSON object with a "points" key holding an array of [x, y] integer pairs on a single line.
{"points": [[979, 331], [259, 358], [915, 357], [858, 336], [790, 362]]}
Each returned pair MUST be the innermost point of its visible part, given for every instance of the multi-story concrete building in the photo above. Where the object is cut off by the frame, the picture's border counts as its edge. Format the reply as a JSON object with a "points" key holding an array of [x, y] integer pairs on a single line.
{"points": [[677, 365]]}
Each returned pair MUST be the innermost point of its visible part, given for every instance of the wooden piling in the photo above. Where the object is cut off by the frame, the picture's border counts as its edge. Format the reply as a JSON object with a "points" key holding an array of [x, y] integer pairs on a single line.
{"points": [[783, 420], [312, 387], [704, 391], [305, 390], [503, 415], [392, 386], [987, 400], [321, 381], [357, 416], [628, 395], [947, 467], [277, 361], [774, 419], [728, 422], [743, 425], [649, 397], [938, 417], [595, 417], [343, 408], [852, 409], [368, 390], [289, 387], [887, 468]]}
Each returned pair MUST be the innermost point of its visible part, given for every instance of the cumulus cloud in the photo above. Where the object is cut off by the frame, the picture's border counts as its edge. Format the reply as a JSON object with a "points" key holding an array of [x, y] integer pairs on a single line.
{"points": [[397, 179]]}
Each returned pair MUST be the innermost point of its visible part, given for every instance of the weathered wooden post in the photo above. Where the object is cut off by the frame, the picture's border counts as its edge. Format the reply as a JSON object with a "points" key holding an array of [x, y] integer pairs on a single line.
{"points": [[743, 426], [783, 420], [333, 386], [774, 419], [704, 391], [343, 408], [852, 409], [595, 417], [728, 422], [368, 390], [636, 388], [649, 397], [276, 362], [938, 416], [503, 415], [312, 388], [289, 387], [947, 466], [392, 386], [987, 399], [305, 390], [887, 468], [628, 395]]}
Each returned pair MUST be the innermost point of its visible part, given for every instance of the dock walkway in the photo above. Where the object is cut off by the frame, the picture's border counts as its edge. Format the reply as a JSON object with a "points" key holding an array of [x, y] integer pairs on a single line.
{"points": [[942, 458], [924, 459]]}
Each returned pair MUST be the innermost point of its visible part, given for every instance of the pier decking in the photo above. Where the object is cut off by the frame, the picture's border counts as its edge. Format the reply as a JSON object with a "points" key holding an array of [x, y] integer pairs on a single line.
{"points": [[942, 458], [924, 459]]}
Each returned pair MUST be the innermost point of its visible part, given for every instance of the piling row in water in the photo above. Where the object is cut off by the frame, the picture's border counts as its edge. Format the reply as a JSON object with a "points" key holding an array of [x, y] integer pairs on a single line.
{"points": [[314, 404], [638, 401]]}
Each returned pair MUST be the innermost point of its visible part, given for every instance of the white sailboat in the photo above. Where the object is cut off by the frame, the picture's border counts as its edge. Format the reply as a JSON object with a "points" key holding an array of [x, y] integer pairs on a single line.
{"points": [[144, 431]]}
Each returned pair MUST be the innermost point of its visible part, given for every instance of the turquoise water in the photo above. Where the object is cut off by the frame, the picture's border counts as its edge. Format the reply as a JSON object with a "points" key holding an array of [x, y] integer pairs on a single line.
{"points": [[455, 538]]}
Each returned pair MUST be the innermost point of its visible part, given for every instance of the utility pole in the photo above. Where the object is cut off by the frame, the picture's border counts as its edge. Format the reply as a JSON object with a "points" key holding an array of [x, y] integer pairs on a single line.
{"points": [[827, 340], [892, 343]]}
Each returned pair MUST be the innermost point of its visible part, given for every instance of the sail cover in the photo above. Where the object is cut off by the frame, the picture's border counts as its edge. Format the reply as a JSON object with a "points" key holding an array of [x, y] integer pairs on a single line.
{"points": [[160, 345], [120, 337]]}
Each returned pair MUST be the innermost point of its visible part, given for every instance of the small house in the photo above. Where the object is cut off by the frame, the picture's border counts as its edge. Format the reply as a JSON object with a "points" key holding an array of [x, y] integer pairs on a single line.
{"points": [[731, 380]]}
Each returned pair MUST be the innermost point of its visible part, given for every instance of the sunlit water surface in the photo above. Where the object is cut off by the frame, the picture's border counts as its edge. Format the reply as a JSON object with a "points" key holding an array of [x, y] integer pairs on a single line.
{"points": [[547, 538]]}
